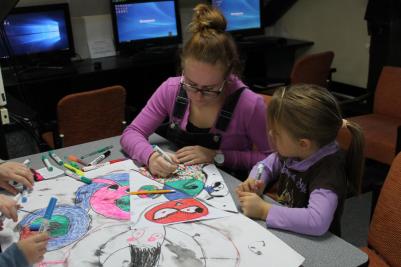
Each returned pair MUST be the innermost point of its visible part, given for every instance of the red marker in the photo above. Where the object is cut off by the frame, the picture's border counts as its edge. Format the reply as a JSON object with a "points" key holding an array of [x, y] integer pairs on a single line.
{"points": [[36, 176], [92, 167]]}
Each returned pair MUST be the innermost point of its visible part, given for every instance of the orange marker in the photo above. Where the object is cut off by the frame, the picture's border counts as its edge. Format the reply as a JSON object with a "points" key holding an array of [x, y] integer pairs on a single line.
{"points": [[76, 159]]}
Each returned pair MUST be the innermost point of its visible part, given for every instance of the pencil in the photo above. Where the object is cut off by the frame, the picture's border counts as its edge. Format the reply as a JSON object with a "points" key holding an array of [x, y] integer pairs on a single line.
{"points": [[148, 192]]}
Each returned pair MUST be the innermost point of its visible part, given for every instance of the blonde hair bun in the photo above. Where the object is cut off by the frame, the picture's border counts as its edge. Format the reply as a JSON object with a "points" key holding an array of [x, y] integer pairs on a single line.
{"points": [[207, 18]]}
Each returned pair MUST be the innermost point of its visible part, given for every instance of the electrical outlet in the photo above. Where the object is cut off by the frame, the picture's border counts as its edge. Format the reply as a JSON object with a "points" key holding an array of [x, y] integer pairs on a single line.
{"points": [[5, 119]]}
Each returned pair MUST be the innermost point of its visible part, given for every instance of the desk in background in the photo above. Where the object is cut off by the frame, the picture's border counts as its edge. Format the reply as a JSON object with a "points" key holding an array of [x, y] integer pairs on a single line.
{"points": [[326, 250], [141, 74]]}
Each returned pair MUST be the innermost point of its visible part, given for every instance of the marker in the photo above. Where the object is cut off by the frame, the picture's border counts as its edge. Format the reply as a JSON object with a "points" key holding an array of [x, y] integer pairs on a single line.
{"points": [[71, 168], [97, 151], [73, 164], [24, 195], [48, 214], [47, 163], [78, 177], [89, 168], [148, 192], [76, 159], [27, 162], [163, 154], [56, 158], [36, 176], [100, 158], [34, 227], [260, 170]]}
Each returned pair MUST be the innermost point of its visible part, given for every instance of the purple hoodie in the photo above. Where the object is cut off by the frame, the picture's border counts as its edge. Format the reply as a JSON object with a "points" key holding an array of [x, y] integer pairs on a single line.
{"points": [[243, 143]]}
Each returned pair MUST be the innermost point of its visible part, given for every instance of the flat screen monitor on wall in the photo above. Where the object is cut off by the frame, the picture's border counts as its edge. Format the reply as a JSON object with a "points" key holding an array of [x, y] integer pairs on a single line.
{"points": [[38, 30], [139, 24], [244, 17]]}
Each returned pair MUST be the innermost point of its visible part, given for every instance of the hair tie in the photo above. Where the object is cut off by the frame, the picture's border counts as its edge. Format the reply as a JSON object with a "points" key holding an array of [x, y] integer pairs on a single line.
{"points": [[345, 123]]}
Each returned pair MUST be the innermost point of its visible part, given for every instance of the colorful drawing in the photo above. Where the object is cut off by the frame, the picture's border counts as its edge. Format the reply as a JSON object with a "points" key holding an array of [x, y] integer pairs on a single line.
{"points": [[106, 195], [202, 181], [67, 225], [180, 210]]}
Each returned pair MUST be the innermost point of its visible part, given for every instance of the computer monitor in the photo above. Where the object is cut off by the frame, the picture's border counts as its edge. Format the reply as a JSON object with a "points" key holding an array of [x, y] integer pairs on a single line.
{"points": [[38, 30], [140, 24], [244, 17]]}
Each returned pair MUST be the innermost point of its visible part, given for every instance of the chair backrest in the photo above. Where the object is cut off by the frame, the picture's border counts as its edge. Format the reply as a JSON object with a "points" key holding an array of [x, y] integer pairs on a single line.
{"points": [[388, 92], [385, 229], [313, 69], [266, 98], [92, 115]]}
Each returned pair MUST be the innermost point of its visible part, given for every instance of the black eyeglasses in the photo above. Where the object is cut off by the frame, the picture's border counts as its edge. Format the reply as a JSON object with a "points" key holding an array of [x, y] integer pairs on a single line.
{"points": [[205, 92]]}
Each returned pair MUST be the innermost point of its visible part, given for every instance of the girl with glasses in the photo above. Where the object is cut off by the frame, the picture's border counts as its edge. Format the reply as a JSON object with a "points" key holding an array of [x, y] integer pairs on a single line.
{"points": [[210, 113]]}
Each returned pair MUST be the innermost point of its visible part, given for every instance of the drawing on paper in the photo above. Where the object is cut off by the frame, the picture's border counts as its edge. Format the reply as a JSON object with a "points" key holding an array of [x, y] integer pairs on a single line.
{"points": [[202, 181], [67, 225], [175, 211], [173, 245], [106, 195]]}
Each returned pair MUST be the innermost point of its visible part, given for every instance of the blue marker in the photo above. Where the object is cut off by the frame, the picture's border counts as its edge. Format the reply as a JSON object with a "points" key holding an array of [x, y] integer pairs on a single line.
{"points": [[34, 227], [24, 195], [48, 214]]}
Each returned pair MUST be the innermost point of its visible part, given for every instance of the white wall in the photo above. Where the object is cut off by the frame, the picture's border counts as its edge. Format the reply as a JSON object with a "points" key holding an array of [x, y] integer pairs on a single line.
{"points": [[336, 25]]}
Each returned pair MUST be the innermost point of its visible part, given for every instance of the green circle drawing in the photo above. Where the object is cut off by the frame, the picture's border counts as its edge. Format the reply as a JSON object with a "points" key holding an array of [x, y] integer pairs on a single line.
{"points": [[190, 187], [123, 203], [58, 225]]}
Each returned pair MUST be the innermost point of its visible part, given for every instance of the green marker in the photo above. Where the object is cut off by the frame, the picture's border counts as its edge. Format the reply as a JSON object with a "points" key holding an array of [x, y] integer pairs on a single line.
{"points": [[101, 150], [47, 163], [56, 158], [78, 177]]}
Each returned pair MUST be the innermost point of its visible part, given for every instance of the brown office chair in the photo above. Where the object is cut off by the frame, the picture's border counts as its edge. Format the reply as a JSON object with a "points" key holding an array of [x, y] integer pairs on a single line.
{"points": [[311, 69], [384, 237], [382, 126], [88, 116]]}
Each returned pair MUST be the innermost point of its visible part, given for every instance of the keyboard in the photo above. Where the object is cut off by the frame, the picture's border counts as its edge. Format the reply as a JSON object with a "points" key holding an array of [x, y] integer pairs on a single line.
{"points": [[42, 73]]}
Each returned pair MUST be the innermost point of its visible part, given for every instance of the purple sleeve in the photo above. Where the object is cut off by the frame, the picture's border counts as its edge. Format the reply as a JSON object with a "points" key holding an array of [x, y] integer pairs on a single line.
{"points": [[255, 126], [272, 166], [134, 139], [312, 220]]}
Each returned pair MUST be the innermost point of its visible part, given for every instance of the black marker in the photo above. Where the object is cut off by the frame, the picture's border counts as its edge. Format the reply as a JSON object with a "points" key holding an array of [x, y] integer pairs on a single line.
{"points": [[100, 158]]}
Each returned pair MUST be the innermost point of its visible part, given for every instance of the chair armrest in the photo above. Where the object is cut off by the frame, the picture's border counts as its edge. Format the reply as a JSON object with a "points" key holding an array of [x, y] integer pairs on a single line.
{"points": [[356, 99]]}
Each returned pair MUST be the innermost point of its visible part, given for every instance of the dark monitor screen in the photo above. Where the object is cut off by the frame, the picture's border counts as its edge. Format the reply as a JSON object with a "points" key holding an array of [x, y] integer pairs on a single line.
{"points": [[38, 30], [241, 15], [146, 21]]}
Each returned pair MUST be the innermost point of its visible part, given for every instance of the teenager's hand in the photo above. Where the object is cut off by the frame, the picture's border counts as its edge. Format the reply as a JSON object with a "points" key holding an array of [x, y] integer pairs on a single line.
{"points": [[191, 155], [9, 207], [251, 185], [34, 247], [253, 206], [14, 171], [160, 167]]}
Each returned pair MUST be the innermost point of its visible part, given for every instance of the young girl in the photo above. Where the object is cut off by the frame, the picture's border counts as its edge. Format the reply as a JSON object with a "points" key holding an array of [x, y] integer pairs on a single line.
{"points": [[313, 177]]}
